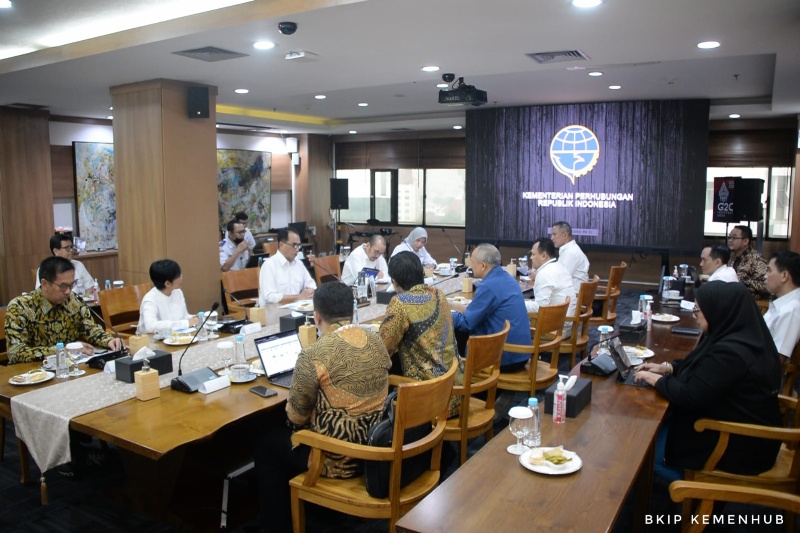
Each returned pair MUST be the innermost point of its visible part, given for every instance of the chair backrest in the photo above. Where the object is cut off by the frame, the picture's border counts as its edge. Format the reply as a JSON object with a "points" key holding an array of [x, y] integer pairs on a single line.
{"points": [[613, 290], [121, 306], [3, 347], [791, 368], [327, 269], [551, 318], [241, 284], [485, 352], [270, 247], [580, 320]]}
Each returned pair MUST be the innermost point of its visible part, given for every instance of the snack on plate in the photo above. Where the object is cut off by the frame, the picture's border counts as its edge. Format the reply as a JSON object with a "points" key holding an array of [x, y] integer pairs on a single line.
{"points": [[305, 307], [181, 339], [20, 379], [36, 377], [556, 456], [536, 457]]}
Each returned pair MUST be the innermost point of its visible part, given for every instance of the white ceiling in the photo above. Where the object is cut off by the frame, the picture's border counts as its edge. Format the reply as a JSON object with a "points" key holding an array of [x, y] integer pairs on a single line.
{"points": [[372, 51]]}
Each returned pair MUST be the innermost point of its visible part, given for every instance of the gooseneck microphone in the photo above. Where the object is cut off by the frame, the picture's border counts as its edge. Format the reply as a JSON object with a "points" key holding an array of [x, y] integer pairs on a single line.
{"points": [[99, 361], [192, 381], [234, 298], [451, 242]]}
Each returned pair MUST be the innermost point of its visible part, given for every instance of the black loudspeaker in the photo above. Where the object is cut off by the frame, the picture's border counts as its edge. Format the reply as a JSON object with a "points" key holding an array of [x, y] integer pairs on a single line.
{"points": [[340, 194], [748, 200], [197, 102]]}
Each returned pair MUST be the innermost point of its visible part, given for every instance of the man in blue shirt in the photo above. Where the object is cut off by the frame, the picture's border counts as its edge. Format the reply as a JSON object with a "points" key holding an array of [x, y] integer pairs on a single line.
{"points": [[498, 298]]}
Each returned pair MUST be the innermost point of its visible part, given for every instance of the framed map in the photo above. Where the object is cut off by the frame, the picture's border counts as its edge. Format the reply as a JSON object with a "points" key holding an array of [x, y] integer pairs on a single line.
{"points": [[96, 200], [243, 180]]}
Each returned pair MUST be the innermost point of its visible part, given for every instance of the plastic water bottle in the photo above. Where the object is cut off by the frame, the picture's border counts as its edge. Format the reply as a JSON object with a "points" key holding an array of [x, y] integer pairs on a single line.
{"points": [[648, 316], [355, 311], [202, 334], [533, 437], [453, 265], [239, 357], [62, 370]]}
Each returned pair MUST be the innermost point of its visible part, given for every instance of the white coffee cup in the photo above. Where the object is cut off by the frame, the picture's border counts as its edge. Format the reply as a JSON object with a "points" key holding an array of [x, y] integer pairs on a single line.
{"points": [[50, 362], [240, 372], [674, 295]]}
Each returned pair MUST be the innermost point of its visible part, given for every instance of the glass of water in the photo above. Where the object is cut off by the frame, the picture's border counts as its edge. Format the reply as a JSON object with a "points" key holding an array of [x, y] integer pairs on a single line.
{"points": [[518, 426], [211, 325]]}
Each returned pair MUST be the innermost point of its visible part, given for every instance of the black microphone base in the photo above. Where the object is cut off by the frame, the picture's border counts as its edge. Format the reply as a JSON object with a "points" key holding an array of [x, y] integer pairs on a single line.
{"points": [[191, 382]]}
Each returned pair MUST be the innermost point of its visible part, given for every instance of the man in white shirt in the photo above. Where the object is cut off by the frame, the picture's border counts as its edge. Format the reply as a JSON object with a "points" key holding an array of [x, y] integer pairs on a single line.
{"points": [[783, 317], [234, 251], [714, 263], [369, 255], [570, 255], [242, 218], [283, 278], [61, 246], [553, 283]]}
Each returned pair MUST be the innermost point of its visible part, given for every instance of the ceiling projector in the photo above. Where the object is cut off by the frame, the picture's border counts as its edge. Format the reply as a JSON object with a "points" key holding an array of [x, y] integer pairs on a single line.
{"points": [[462, 94]]}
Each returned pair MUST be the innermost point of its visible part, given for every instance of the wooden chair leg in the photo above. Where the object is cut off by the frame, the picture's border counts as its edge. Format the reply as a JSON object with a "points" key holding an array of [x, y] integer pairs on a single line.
{"points": [[462, 457], [298, 512], [24, 463], [2, 438]]}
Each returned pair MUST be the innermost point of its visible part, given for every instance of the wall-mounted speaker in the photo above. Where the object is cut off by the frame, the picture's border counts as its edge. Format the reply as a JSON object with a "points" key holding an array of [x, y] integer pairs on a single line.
{"points": [[748, 200], [340, 194], [197, 102], [291, 144]]}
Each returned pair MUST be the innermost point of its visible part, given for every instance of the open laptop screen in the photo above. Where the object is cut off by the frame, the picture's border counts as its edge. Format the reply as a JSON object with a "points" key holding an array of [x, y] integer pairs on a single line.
{"points": [[278, 353]]}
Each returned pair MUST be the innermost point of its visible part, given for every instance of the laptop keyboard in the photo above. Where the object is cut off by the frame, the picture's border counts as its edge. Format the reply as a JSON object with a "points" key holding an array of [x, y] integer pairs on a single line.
{"points": [[630, 381], [283, 380]]}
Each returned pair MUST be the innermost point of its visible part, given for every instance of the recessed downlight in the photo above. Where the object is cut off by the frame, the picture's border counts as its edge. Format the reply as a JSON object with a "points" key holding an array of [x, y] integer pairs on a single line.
{"points": [[430, 68], [442, 86], [320, 97], [110, 117], [586, 3], [708, 45], [363, 104], [241, 91], [595, 73], [457, 127], [111, 108], [263, 45], [734, 115], [5, 4], [615, 87], [353, 132]]}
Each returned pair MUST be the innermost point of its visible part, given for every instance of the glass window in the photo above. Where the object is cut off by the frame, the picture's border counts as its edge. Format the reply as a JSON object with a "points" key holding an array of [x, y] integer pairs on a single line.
{"points": [[444, 197], [359, 192], [410, 188], [383, 194], [780, 187]]}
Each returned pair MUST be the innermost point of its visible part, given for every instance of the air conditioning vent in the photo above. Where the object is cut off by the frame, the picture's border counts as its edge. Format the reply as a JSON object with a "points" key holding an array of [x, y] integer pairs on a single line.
{"points": [[562, 56], [29, 107], [210, 54]]}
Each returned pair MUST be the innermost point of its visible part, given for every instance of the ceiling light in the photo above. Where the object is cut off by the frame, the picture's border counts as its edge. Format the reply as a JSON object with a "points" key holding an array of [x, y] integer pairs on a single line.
{"points": [[241, 91], [708, 45], [217, 125], [595, 73], [586, 3], [456, 127], [111, 108], [353, 132], [442, 86], [615, 87], [110, 117], [320, 97], [263, 45], [284, 131], [363, 104], [734, 115], [431, 68], [5, 4]]}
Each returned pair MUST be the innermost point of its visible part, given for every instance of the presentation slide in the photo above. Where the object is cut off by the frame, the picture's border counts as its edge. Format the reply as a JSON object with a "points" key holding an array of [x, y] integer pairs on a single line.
{"points": [[625, 175]]}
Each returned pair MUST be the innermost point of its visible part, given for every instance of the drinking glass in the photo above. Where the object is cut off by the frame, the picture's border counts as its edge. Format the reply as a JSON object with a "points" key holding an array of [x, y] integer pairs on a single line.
{"points": [[523, 263], [225, 350], [605, 331], [211, 325], [518, 426], [74, 355]]}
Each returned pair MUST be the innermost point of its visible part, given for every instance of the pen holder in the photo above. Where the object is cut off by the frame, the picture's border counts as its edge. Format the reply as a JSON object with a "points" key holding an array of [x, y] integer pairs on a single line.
{"points": [[307, 334], [258, 314], [137, 342], [147, 384]]}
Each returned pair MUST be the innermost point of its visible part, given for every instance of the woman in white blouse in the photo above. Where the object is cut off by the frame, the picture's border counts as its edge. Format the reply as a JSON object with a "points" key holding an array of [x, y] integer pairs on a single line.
{"points": [[415, 242], [164, 306]]}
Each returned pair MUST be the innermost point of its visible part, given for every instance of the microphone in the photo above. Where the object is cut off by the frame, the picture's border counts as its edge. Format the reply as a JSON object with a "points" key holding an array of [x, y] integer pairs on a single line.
{"points": [[99, 361], [451, 242], [192, 381], [234, 298]]}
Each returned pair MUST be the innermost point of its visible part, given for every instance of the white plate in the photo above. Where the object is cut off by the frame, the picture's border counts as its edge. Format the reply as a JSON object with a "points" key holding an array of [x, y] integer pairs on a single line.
{"points": [[304, 306], [569, 467], [256, 369], [459, 300], [633, 353], [50, 375], [170, 342], [665, 317], [250, 377]]}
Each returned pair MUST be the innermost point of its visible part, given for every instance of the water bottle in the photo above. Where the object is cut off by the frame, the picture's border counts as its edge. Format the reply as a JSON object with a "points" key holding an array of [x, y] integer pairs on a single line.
{"points": [[96, 291], [62, 370], [675, 272], [533, 437], [239, 357], [202, 334], [452, 265], [642, 304], [108, 284], [355, 311], [648, 316]]}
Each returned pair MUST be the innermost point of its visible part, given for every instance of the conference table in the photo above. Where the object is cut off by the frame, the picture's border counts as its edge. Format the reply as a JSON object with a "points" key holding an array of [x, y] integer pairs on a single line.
{"points": [[614, 436]]}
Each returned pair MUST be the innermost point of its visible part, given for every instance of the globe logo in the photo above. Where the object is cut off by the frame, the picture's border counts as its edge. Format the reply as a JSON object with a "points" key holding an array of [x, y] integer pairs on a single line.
{"points": [[574, 151]]}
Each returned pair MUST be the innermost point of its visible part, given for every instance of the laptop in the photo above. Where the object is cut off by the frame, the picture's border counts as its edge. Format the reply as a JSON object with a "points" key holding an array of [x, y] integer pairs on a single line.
{"points": [[624, 365], [278, 354]]}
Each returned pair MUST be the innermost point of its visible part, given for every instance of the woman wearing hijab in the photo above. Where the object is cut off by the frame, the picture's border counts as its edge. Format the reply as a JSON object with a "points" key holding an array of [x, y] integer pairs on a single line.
{"points": [[733, 375], [415, 242]]}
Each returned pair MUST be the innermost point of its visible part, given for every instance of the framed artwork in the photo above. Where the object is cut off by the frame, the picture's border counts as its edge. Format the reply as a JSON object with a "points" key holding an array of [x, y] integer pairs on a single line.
{"points": [[96, 201], [243, 180]]}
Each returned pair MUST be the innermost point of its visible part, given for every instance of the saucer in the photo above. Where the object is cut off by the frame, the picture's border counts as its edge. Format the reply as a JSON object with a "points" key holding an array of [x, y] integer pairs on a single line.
{"points": [[250, 377]]}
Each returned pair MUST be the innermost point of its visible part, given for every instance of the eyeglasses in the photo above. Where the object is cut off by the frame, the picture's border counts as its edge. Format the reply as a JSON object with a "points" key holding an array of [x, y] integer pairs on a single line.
{"points": [[64, 287], [69, 248], [295, 245], [732, 238]]}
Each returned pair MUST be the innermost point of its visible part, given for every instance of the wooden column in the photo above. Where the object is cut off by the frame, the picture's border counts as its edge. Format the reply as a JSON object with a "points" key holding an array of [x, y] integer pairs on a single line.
{"points": [[794, 228], [26, 198], [166, 186]]}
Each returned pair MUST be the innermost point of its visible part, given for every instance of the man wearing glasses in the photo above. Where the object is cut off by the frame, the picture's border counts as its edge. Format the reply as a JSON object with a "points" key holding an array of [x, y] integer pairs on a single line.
{"points": [[283, 278], [749, 266], [61, 246], [36, 321], [234, 250]]}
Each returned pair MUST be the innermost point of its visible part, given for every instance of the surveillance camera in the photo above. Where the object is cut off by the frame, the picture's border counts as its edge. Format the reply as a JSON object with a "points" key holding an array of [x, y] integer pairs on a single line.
{"points": [[287, 28], [448, 77]]}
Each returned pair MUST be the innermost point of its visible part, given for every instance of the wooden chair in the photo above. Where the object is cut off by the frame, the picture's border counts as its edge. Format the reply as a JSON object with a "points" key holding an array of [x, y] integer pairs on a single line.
{"points": [[475, 415], [327, 269], [270, 247], [579, 339], [708, 493], [121, 308], [609, 295], [763, 306], [791, 367], [784, 475], [418, 403], [546, 338], [240, 284]]}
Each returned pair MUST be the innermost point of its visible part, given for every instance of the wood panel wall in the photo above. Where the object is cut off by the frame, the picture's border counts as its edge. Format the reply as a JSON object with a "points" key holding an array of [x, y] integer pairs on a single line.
{"points": [[62, 165], [26, 197], [752, 143], [402, 153]]}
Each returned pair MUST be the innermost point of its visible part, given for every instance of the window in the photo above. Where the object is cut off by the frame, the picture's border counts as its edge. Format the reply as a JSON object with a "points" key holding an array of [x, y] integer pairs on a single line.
{"points": [[778, 183], [421, 197]]}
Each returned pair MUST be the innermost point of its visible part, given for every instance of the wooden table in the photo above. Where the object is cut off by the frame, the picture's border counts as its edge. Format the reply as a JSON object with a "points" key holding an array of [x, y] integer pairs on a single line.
{"points": [[614, 436]]}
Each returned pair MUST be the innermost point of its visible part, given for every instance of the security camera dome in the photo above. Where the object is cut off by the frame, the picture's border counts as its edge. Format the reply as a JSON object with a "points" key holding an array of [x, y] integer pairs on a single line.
{"points": [[448, 77], [287, 28]]}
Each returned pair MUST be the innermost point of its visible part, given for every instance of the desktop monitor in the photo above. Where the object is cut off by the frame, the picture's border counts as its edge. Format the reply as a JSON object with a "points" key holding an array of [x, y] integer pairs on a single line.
{"points": [[300, 229]]}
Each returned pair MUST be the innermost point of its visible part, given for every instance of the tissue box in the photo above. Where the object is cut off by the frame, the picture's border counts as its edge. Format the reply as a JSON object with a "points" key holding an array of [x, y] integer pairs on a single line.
{"points": [[578, 397], [384, 297], [633, 333], [291, 323], [126, 366]]}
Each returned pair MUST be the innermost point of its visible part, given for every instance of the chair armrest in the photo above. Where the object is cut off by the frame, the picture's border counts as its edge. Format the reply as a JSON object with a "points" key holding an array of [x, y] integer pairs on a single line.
{"points": [[341, 447], [748, 430], [396, 380], [681, 490]]}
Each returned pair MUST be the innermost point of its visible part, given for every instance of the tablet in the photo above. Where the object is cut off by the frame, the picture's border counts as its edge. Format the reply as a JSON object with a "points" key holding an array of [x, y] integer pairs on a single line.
{"points": [[371, 272]]}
